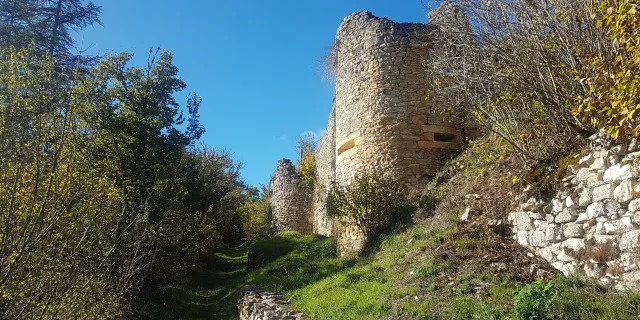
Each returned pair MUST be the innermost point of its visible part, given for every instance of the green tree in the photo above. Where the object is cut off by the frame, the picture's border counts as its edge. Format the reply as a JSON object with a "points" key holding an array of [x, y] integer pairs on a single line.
{"points": [[306, 165], [134, 120], [57, 215], [47, 25]]}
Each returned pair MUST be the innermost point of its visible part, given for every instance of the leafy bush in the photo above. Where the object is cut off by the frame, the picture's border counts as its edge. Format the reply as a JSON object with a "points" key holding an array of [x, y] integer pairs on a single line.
{"points": [[306, 166], [370, 202], [613, 101], [534, 301], [514, 67]]}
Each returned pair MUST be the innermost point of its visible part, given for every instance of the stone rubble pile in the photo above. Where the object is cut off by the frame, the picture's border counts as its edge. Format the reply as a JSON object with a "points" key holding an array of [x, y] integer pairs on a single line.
{"points": [[257, 304], [591, 226]]}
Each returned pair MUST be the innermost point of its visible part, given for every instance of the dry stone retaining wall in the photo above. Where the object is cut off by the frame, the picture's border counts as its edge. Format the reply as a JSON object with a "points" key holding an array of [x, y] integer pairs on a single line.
{"points": [[257, 304], [592, 224]]}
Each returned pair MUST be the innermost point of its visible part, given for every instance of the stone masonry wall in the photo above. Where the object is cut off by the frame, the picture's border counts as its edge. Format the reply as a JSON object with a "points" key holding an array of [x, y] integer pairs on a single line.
{"points": [[257, 304], [592, 225], [382, 119], [325, 175], [290, 204]]}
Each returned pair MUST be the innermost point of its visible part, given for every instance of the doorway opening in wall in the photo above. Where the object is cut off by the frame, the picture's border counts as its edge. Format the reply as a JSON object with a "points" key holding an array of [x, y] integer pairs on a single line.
{"points": [[445, 137], [346, 146]]}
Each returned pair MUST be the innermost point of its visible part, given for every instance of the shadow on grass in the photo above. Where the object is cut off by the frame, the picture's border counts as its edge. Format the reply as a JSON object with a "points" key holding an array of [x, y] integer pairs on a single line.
{"points": [[208, 291]]}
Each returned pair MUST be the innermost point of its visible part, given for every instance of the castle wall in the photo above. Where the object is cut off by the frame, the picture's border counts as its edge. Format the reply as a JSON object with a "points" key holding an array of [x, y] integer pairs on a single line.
{"points": [[383, 120], [592, 225], [290, 204], [325, 176]]}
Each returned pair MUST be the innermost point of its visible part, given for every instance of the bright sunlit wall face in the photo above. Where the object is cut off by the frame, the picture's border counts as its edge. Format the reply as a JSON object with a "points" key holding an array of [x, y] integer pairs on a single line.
{"points": [[382, 119]]}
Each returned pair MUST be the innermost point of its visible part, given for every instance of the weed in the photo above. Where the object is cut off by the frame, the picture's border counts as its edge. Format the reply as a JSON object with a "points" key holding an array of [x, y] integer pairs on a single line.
{"points": [[534, 301]]}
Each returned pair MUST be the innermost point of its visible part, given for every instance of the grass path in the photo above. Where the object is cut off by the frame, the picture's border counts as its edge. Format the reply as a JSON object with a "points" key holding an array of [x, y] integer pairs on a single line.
{"points": [[209, 291]]}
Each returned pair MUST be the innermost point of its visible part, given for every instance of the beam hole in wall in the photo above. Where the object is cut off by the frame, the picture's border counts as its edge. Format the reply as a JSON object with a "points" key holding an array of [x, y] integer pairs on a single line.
{"points": [[444, 137], [346, 146]]}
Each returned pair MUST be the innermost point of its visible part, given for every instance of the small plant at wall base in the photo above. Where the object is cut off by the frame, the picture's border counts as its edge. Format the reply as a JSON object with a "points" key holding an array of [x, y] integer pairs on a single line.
{"points": [[370, 202], [534, 301]]}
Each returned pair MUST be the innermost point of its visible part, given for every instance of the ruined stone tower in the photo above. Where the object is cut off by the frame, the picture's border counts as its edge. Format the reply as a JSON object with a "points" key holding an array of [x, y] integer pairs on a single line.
{"points": [[290, 205], [381, 117]]}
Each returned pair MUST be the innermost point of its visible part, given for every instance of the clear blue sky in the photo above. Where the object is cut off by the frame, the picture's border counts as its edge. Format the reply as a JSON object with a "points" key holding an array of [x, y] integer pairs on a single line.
{"points": [[256, 64]]}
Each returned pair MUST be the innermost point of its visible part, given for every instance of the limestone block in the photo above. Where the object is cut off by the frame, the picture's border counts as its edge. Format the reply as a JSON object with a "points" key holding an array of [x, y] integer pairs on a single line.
{"points": [[547, 253], [623, 192], [613, 160], [523, 238], [522, 221], [617, 173], [573, 244], [634, 145], [613, 209], [532, 204], [558, 265], [585, 197], [554, 233], [586, 160], [630, 240], [538, 239], [540, 224], [568, 269], [602, 192], [582, 217], [567, 215], [634, 205], [595, 210], [536, 216], [630, 158], [569, 202], [598, 165], [583, 174], [600, 228], [573, 230], [558, 205], [614, 227], [593, 180]]}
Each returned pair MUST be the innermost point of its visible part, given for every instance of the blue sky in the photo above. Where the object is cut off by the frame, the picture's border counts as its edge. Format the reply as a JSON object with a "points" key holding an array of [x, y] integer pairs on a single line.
{"points": [[256, 64]]}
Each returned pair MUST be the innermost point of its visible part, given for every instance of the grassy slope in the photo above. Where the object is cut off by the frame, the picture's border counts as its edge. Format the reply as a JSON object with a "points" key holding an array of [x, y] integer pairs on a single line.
{"points": [[435, 268]]}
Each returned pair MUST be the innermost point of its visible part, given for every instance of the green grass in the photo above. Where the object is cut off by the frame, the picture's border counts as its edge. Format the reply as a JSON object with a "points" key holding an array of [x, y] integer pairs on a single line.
{"points": [[379, 285], [207, 291]]}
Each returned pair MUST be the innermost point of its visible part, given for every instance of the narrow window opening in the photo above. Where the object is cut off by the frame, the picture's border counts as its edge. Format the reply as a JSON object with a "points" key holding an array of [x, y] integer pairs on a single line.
{"points": [[445, 137], [346, 146]]}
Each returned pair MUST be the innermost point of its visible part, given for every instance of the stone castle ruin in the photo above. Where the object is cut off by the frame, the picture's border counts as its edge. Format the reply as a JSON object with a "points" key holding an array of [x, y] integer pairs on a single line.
{"points": [[380, 119]]}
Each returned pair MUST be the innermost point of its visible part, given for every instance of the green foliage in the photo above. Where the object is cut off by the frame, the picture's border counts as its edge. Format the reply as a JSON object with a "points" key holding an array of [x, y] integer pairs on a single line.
{"points": [[614, 88], [47, 26], [580, 299], [535, 301], [291, 261], [63, 256], [431, 267], [464, 307], [253, 215], [371, 202], [306, 166]]}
